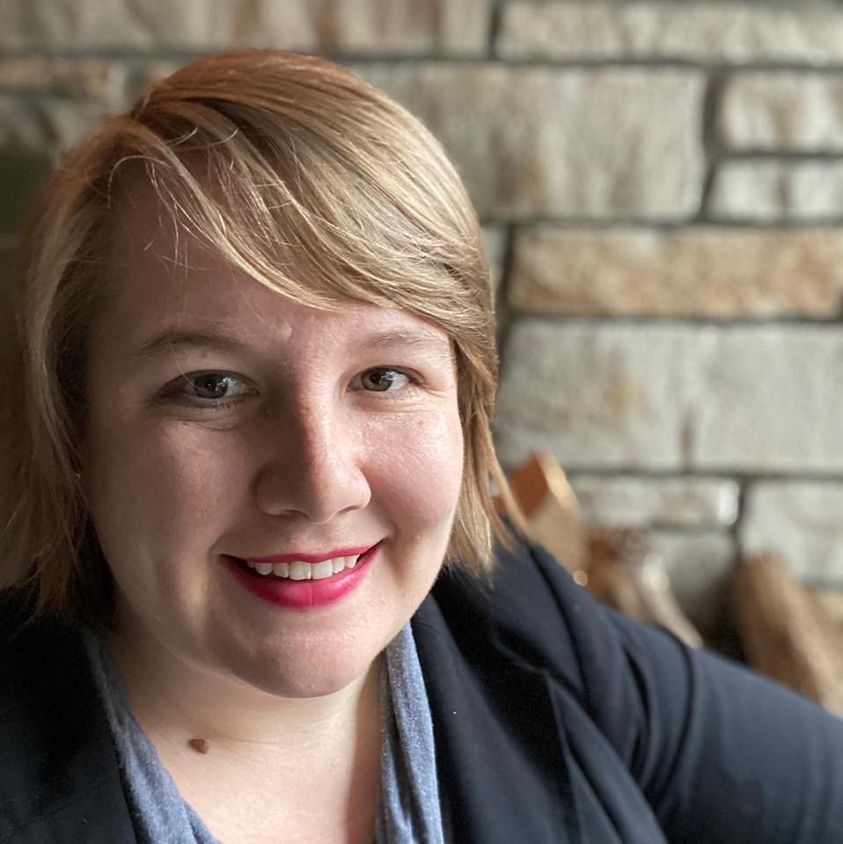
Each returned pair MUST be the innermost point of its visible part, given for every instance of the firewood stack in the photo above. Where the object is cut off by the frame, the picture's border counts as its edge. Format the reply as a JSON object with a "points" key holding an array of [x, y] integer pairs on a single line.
{"points": [[616, 566], [785, 630]]}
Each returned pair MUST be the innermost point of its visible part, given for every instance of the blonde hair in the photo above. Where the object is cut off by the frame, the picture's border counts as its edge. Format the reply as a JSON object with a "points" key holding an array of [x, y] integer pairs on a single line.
{"points": [[279, 162]]}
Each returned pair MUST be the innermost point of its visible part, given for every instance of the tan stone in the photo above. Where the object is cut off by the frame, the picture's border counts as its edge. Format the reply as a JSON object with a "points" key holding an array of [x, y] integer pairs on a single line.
{"points": [[72, 77], [696, 31], [776, 189], [355, 26], [562, 142], [801, 522], [728, 398], [698, 271], [782, 111]]}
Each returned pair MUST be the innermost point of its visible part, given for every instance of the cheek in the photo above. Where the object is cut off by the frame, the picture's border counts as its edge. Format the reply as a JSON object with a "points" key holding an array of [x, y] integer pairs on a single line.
{"points": [[418, 466], [164, 483]]}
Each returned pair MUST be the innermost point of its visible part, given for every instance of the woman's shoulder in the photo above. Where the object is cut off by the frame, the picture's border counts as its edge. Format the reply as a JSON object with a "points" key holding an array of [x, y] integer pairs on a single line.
{"points": [[59, 779], [528, 612]]}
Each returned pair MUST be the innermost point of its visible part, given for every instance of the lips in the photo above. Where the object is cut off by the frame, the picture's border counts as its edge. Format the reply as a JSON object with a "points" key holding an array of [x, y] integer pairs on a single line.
{"points": [[304, 581]]}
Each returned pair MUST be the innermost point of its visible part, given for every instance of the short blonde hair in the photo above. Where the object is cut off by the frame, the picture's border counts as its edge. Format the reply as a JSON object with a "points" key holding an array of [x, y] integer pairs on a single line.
{"points": [[279, 162]]}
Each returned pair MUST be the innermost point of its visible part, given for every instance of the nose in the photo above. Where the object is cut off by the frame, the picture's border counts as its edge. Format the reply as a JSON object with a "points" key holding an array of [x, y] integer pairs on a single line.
{"points": [[315, 467]]}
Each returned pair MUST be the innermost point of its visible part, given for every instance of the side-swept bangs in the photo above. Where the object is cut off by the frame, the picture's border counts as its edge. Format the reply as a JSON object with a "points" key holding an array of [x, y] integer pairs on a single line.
{"points": [[303, 177]]}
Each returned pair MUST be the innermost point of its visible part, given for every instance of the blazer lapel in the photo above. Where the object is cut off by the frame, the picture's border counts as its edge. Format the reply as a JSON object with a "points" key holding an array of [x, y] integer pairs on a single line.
{"points": [[501, 764], [59, 775]]}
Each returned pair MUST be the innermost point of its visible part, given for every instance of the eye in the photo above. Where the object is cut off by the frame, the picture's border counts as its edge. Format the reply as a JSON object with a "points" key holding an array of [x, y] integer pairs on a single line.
{"points": [[383, 379], [207, 389]]}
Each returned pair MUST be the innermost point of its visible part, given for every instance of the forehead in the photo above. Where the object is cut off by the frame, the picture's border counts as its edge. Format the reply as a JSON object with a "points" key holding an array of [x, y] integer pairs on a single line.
{"points": [[165, 280]]}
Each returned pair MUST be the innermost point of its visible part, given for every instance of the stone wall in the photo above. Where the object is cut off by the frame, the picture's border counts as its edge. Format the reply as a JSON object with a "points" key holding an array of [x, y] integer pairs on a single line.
{"points": [[662, 189]]}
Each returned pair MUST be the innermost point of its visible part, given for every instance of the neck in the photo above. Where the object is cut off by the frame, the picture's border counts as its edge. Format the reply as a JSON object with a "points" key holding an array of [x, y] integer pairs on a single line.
{"points": [[311, 764]]}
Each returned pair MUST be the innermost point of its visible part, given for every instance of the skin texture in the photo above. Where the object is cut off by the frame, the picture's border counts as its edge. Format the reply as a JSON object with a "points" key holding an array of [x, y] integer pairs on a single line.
{"points": [[304, 452]]}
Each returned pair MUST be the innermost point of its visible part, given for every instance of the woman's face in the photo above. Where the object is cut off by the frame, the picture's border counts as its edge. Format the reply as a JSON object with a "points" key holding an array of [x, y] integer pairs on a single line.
{"points": [[238, 442]]}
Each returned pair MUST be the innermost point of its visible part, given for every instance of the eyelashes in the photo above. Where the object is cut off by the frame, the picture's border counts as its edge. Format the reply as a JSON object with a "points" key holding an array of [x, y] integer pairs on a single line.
{"points": [[384, 379], [220, 389], [209, 389]]}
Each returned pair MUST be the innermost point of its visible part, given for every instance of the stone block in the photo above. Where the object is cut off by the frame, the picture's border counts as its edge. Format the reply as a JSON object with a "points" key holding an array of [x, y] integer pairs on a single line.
{"points": [[48, 122], [773, 401], [801, 522], [632, 501], [769, 190], [21, 174], [697, 271], [64, 76], [782, 111], [598, 395], [699, 567], [494, 245], [694, 31], [541, 141], [653, 396], [335, 26]]}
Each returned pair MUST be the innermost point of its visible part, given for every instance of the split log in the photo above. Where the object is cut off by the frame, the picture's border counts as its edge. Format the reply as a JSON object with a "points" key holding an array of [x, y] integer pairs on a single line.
{"points": [[616, 566], [787, 633], [625, 574]]}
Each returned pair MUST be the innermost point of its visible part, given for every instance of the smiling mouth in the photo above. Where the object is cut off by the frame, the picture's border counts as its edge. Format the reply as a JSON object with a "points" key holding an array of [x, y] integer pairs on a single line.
{"points": [[302, 570], [290, 582]]}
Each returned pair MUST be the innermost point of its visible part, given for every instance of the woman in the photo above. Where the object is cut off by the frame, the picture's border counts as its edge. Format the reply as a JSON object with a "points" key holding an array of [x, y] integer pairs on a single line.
{"points": [[255, 386]]}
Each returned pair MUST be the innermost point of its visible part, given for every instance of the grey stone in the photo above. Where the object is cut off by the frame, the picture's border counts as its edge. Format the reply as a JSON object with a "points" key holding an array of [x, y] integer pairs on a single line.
{"points": [[802, 522], [355, 26], [670, 397], [494, 244], [773, 401], [694, 271], [699, 568], [599, 395], [46, 123], [782, 111], [21, 174], [642, 502], [694, 31], [585, 143], [775, 189]]}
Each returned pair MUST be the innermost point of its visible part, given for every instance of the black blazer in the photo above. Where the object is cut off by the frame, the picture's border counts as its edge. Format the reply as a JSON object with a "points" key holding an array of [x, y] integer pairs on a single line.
{"points": [[556, 720]]}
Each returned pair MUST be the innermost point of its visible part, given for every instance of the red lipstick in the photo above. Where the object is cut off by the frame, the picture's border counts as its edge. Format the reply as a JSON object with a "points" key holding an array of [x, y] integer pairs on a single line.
{"points": [[304, 594]]}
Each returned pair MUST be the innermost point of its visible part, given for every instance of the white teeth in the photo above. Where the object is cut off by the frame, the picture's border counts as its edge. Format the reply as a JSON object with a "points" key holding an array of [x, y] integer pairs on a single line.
{"points": [[300, 570], [319, 571]]}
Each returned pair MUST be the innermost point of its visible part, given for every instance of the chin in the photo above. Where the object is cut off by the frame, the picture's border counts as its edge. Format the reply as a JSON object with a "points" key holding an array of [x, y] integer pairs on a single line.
{"points": [[303, 678]]}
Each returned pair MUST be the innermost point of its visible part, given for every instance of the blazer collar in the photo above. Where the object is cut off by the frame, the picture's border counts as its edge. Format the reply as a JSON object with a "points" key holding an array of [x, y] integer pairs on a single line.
{"points": [[501, 762]]}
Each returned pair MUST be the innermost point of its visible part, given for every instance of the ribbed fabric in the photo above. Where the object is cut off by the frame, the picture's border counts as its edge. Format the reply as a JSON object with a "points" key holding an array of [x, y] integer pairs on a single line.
{"points": [[409, 810], [160, 814]]}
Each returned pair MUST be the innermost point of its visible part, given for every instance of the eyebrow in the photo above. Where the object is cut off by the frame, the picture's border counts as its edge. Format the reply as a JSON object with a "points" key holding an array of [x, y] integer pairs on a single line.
{"points": [[415, 339], [169, 339]]}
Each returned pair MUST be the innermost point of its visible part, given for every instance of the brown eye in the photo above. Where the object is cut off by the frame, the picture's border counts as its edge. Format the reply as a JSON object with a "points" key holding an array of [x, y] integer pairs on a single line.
{"points": [[382, 380], [214, 385], [208, 390]]}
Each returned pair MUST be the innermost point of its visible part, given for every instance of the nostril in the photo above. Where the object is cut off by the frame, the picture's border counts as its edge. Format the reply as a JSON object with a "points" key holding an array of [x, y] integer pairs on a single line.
{"points": [[317, 492]]}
